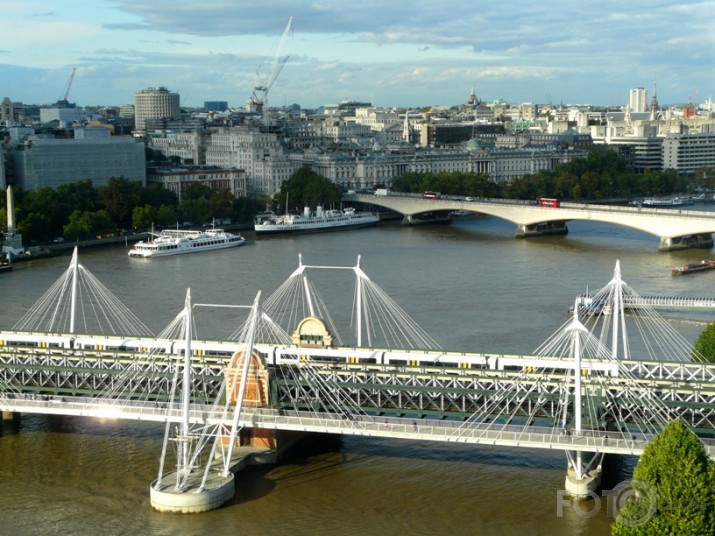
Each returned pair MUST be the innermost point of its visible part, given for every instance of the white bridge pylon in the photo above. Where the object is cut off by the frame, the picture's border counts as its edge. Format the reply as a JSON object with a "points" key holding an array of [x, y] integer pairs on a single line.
{"points": [[375, 317], [79, 302], [588, 403]]}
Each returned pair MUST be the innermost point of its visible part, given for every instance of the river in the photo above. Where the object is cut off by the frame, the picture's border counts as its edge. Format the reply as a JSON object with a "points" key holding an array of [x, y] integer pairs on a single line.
{"points": [[471, 285]]}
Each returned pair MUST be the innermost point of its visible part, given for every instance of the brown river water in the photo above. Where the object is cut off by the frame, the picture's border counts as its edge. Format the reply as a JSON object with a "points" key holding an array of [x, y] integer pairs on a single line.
{"points": [[471, 285]]}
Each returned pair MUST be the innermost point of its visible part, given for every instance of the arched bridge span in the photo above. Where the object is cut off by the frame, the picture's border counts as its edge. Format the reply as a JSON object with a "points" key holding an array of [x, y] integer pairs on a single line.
{"points": [[677, 229]]}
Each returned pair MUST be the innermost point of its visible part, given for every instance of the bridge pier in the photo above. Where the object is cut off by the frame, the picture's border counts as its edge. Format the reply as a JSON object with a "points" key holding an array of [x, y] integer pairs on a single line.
{"points": [[583, 479], [10, 416], [702, 240], [425, 218], [542, 229]]}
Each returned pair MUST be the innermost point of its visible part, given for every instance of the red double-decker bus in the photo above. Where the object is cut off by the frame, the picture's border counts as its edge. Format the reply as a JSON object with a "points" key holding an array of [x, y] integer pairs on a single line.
{"points": [[547, 202], [430, 195]]}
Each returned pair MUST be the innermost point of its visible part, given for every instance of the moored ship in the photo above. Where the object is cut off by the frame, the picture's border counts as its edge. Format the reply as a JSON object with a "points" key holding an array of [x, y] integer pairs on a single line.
{"points": [[665, 202], [694, 267], [177, 242], [313, 222]]}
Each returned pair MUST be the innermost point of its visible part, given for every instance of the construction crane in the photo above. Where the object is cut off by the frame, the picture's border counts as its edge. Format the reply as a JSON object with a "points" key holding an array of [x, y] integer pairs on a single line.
{"points": [[63, 101], [265, 78]]}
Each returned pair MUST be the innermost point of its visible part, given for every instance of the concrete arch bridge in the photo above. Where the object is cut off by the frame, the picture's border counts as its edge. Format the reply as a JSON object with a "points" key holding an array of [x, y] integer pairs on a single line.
{"points": [[676, 229]]}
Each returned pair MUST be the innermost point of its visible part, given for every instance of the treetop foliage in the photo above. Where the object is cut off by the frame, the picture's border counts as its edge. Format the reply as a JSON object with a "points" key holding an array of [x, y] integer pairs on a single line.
{"points": [[306, 188], [80, 211], [601, 175], [704, 349], [676, 488]]}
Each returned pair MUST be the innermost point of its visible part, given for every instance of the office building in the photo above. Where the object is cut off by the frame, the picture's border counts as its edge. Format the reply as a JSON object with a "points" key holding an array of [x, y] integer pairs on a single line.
{"points": [[155, 103]]}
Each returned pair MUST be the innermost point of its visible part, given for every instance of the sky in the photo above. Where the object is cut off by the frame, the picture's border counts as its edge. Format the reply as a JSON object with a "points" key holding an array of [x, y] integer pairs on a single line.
{"points": [[391, 53]]}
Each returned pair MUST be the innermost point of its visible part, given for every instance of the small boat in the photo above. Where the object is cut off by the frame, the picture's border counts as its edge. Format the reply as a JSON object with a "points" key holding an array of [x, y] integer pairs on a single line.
{"points": [[313, 222], [588, 306], [177, 242], [694, 267]]}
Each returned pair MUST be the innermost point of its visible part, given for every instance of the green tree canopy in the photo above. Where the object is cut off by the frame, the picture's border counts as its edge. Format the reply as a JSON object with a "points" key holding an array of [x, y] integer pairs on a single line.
{"points": [[166, 215], [156, 195], [194, 210], [86, 224], [221, 204], [143, 217], [704, 349], [306, 188], [120, 196], [676, 488]]}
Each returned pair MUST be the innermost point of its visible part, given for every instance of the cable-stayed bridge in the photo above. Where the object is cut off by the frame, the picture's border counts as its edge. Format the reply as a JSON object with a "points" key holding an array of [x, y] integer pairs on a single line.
{"points": [[580, 392]]}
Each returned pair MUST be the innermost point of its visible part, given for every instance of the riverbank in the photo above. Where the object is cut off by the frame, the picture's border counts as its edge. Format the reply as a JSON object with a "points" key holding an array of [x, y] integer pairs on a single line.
{"points": [[50, 250]]}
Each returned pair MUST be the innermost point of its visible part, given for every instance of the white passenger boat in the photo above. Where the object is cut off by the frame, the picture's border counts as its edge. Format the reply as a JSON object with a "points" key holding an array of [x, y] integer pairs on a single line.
{"points": [[665, 202], [176, 242], [313, 222]]}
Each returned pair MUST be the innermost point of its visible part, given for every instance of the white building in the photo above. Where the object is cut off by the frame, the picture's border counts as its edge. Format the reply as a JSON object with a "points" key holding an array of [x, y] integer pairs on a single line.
{"points": [[126, 111], [377, 119], [65, 116], [638, 99], [689, 152], [188, 146], [179, 179], [258, 153], [155, 103]]}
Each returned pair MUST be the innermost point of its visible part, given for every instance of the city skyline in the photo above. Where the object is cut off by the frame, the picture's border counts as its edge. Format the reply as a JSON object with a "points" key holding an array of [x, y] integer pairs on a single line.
{"points": [[384, 53]]}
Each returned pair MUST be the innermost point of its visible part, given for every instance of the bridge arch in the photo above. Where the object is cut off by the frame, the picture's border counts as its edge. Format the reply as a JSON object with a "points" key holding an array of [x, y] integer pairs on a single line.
{"points": [[676, 229]]}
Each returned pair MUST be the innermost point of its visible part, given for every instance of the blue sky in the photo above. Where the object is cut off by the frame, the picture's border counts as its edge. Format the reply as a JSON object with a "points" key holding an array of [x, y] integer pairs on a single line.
{"points": [[415, 53]]}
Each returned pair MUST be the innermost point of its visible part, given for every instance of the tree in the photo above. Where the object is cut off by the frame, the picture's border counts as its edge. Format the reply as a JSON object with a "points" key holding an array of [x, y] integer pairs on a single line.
{"points": [[77, 228], [194, 210], [221, 204], [37, 226], [676, 488], [704, 349], [245, 208], [156, 195], [166, 215], [80, 195], [120, 196], [143, 217], [306, 188]]}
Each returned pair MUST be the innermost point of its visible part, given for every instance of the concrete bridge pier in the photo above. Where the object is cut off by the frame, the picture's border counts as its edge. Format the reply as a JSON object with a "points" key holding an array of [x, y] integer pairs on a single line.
{"points": [[583, 477], [10, 416], [424, 218], [542, 229], [702, 240]]}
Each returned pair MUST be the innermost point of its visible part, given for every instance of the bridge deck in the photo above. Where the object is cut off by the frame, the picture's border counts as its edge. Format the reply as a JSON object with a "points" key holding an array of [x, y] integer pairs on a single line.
{"points": [[387, 427]]}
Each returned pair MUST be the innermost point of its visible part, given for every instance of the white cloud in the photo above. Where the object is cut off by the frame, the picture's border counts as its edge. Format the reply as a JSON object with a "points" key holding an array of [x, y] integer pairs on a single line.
{"points": [[429, 50]]}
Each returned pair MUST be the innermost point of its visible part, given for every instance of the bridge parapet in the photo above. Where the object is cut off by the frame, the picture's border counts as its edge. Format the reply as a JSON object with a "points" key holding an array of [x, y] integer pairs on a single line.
{"points": [[676, 229]]}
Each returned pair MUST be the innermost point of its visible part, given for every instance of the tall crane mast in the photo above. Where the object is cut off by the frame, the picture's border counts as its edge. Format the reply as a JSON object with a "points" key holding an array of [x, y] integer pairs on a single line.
{"points": [[63, 100], [264, 79]]}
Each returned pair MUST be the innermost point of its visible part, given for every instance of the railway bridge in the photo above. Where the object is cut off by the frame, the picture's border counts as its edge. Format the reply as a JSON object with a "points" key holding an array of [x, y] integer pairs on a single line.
{"points": [[581, 393], [676, 229]]}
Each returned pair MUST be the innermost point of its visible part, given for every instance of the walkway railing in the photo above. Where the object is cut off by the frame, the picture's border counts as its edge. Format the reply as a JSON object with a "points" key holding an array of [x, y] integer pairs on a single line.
{"points": [[358, 425]]}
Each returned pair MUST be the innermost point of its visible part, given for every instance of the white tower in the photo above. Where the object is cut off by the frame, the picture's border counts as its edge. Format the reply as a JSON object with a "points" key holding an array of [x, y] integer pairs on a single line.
{"points": [[10, 211], [13, 241], [638, 99]]}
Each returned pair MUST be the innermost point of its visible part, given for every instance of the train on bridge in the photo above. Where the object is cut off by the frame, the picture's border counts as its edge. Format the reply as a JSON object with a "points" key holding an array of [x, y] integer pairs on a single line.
{"points": [[276, 355]]}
